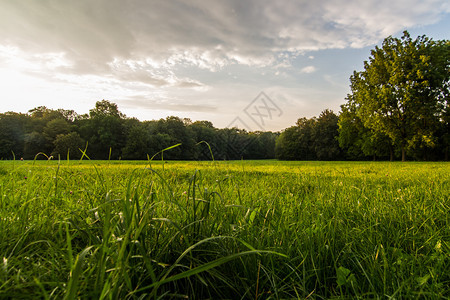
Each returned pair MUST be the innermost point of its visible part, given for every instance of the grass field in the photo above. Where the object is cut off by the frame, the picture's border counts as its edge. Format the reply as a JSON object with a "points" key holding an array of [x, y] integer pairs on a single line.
{"points": [[244, 229]]}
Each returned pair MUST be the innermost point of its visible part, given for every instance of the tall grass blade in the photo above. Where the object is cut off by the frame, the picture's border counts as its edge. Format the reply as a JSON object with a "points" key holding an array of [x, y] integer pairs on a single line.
{"points": [[75, 273]]}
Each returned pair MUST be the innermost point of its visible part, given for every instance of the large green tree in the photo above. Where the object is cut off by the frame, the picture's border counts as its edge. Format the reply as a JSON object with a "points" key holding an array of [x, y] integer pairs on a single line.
{"points": [[403, 90], [104, 131]]}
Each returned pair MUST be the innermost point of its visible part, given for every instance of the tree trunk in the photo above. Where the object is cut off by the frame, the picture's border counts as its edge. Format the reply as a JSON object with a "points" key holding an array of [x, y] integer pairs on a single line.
{"points": [[391, 153], [403, 153]]}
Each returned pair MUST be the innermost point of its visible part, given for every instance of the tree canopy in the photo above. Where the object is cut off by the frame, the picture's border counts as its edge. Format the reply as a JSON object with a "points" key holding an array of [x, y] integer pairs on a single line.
{"points": [[311, 139], [403, 92], [109, 134]]}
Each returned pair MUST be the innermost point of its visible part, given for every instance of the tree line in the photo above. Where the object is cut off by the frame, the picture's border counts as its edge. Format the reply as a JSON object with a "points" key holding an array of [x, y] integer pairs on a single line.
{"points": [[106, 133], [398, 108]]}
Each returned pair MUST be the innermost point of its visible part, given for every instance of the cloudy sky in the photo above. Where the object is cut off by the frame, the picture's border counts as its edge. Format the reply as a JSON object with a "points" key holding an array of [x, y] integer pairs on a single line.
{"points": [[204, 60]]}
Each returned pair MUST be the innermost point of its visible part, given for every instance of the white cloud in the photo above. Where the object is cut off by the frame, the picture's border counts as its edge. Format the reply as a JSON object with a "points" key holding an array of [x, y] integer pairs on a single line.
{"points": [[150, 73], [14, 57], [208, 35], [367, 22], [308, 69]]}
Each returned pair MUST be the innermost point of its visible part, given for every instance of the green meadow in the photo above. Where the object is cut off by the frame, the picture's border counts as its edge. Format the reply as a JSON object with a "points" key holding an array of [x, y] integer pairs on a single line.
{"points": [[224, 230]]}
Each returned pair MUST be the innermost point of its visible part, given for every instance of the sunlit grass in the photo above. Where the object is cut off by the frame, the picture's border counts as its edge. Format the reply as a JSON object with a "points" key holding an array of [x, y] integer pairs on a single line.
{"points": [[241, 229]]}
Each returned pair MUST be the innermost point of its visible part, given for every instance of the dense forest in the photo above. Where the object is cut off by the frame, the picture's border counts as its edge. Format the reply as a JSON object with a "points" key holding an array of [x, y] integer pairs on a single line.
{"points": [[398, 108], [108, 134]]}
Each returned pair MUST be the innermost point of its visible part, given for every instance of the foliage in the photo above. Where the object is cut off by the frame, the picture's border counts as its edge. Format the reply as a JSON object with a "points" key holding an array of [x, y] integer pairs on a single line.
{"points": [[137, 143], [359, 141], [54, 128], [287, 146], [35, 143], [403, 91], [325, 131], [12, 134], [111, 135], [104, 131], [311, 139], [68, 146]]}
